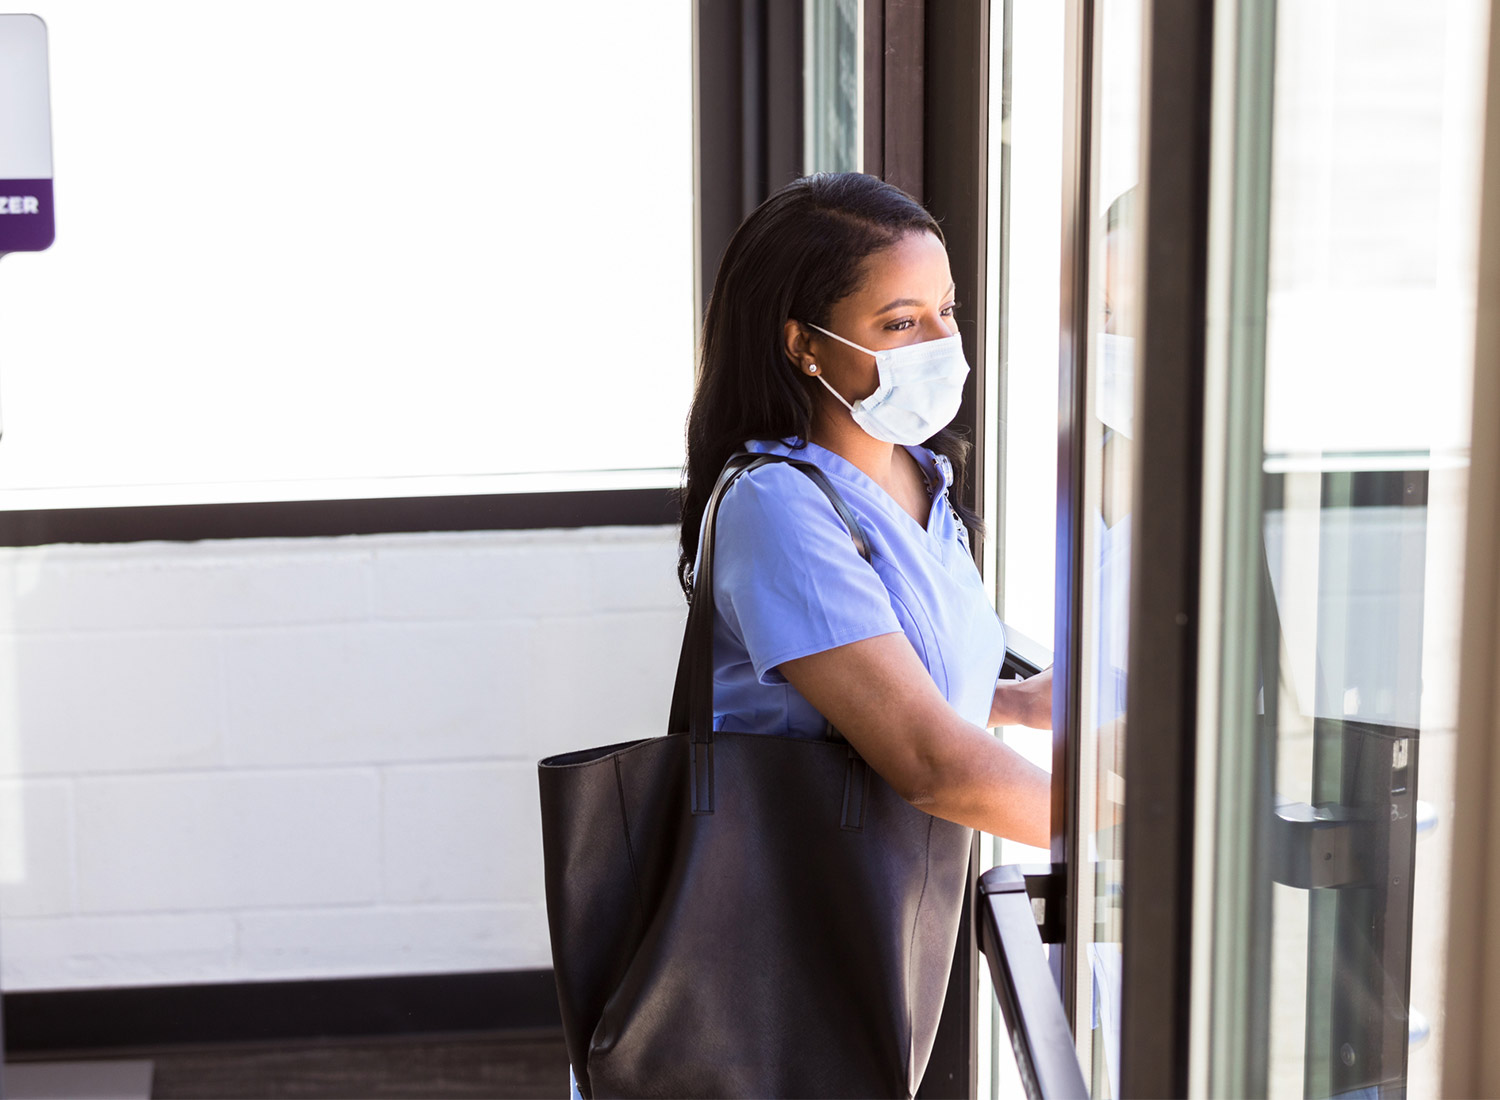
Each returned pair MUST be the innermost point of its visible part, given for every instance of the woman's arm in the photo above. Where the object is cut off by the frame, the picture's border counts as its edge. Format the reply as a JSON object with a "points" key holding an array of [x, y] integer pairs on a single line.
{"points": [[879, 695], [1024, 702]]}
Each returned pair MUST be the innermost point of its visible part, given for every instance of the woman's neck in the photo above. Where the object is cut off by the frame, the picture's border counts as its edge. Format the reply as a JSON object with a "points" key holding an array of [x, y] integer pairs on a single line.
{"points": [[875, 458], [887, 465]]}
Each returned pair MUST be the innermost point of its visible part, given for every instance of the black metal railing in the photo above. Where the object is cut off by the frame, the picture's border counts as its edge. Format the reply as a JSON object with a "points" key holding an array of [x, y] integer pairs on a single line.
{"points": [[1019, 910]]}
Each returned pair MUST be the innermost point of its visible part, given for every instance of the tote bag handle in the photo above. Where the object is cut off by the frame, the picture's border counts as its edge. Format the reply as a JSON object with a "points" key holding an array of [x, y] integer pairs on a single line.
{"points": [[692, 696]]}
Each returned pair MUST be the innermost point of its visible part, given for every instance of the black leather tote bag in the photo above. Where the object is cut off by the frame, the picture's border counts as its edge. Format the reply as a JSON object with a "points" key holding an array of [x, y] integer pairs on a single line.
{"points": [[743, 914]]}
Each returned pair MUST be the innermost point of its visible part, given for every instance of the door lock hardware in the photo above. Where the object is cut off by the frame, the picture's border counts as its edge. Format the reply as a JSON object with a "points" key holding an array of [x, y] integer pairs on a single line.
{"points": [[1045, 885], [1319, 847]]}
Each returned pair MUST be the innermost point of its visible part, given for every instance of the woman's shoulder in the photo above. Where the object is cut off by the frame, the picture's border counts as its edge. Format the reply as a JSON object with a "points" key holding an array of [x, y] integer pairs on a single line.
{"points": [[845, 479], [773, 495], [777, 505]]}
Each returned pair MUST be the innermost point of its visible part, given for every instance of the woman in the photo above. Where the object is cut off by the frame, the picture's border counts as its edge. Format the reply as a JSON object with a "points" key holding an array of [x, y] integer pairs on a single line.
{"points": [[830, 337]]}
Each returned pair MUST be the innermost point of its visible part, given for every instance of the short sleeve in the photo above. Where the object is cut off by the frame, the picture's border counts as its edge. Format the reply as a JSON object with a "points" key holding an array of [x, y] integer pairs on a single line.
{"points": [[787, 577]]}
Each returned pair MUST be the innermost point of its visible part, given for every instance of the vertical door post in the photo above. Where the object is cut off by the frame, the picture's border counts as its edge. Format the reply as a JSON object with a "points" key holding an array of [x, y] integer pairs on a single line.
{"points": [[1073, 327], [1164, 596], [947, 93], [1471, 1062]]}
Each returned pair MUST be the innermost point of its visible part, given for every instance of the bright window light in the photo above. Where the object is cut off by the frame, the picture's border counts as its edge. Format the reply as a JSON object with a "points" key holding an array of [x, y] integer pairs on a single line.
{"points": [[358, 248]]}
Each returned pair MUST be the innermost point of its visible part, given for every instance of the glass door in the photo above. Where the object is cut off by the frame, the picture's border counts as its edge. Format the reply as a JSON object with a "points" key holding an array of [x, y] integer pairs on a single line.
{"points": [[1267, 303], [1065, 118], [1105, 506], [1340, 357]]}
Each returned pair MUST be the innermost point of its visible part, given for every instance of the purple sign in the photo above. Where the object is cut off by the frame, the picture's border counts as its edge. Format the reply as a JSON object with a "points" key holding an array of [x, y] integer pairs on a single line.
{"points": [[26, 223]]}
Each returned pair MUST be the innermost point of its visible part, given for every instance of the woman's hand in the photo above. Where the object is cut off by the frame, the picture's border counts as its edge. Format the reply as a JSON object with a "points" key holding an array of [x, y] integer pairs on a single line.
{"points": [[1024, 702], [878, 694]]}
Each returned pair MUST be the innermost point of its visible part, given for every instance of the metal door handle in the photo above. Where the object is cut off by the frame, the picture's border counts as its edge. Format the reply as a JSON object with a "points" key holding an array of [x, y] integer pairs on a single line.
{"points": [[1023, 657]]}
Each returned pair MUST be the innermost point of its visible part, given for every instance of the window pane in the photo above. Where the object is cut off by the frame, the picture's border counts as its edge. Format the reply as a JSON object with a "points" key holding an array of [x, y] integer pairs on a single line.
{"points": [[1332, 895], [1370, 321], [833, 93], [1108, 503], [355, 240], [1027, 112], [1024, 254]]}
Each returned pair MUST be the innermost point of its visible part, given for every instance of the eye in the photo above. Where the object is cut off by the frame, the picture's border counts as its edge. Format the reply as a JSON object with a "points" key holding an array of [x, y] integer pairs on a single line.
{"points": [[949, 309], [900, 326]]}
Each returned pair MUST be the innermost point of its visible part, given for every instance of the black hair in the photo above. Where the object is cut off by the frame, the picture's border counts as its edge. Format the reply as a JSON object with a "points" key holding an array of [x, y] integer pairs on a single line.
{"points": [[796, 255]]}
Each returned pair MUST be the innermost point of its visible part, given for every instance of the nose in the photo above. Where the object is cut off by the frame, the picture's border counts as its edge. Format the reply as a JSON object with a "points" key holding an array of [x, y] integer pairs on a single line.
{"points": [[937, 326]]}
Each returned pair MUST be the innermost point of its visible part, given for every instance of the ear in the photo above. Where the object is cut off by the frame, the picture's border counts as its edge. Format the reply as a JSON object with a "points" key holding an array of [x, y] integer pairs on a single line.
{"points": [[796, 341]]}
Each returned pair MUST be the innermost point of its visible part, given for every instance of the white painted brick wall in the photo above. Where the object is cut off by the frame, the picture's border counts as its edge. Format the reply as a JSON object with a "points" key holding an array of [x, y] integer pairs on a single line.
{"points": [[426, 939], [227, 840], [372, 691], [37, 856], [148, 949], [260, 759], [162, 692], [430, 815]]}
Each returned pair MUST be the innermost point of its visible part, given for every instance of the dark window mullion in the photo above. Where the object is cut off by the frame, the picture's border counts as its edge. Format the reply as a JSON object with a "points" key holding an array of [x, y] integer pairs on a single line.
{"points": [[952, 72], [747, 94], [336, 518], [1165, 552], [1078, 69]]}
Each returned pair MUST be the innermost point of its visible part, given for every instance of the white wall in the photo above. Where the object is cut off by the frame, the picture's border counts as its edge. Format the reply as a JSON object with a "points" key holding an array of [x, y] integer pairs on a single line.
{"points": [[266, 759]]}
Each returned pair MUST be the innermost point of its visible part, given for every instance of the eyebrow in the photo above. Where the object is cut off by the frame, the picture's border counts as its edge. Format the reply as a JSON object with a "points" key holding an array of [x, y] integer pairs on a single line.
{"points": [[899, 302]]}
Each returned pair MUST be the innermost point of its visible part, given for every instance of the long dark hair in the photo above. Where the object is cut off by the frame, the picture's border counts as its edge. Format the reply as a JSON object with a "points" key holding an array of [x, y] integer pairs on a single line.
{"points": [[800, 252]]}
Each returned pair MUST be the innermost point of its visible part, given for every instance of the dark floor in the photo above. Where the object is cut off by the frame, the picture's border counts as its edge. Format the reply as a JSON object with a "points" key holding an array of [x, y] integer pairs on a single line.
{"points": [[504, 1067]]}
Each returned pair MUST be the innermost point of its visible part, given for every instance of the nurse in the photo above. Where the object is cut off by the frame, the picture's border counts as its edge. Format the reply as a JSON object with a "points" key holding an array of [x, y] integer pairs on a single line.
{"points": [[831, 337]]}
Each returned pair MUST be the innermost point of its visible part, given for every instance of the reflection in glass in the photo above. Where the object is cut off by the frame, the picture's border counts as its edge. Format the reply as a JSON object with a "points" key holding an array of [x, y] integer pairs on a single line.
{"points": [[1108, 495]]}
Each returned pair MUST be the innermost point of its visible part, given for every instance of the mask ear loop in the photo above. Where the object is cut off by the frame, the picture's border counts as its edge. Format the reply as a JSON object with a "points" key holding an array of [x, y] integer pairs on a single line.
{"points": [[836, 394], [841, 340], [812, 368]]}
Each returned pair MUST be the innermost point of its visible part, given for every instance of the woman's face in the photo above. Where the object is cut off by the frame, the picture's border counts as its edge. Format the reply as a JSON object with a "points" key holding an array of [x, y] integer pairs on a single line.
{"points": [[906, 297]]}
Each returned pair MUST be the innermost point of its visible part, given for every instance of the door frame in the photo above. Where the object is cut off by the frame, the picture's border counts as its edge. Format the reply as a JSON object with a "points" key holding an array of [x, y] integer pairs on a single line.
{"points": [[1162, 680], [1471, 1066]]}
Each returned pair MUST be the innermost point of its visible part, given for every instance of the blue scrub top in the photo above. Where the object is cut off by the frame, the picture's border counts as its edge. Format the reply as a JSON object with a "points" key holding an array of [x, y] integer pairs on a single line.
{"points": [[788, 582]]}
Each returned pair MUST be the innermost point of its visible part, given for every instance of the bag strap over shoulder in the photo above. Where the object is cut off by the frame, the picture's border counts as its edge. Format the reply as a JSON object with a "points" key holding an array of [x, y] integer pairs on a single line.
{"points": [[692, 697]]}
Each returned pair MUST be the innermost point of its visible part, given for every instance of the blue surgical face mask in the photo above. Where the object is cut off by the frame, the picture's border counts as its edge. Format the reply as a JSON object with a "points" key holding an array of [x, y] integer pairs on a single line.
{"points": [[921, 386]]}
